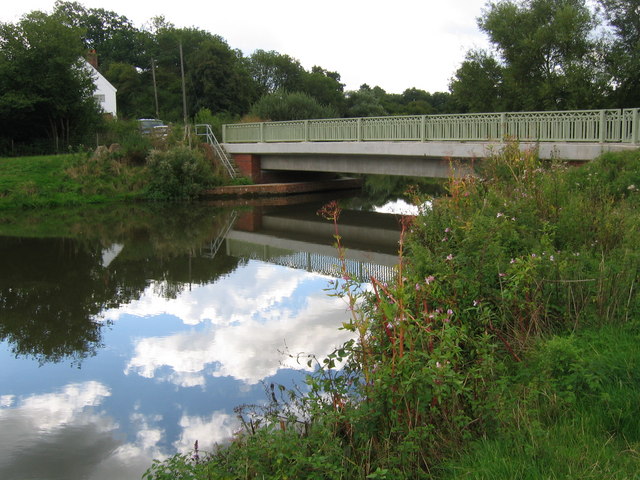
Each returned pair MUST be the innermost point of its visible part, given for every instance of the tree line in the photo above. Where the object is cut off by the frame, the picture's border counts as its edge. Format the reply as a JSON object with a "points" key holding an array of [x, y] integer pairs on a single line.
{"points": [[544, 55]]}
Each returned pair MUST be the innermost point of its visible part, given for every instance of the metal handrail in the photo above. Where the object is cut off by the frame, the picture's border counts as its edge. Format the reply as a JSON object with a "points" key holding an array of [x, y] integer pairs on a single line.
{"points": [[601, 126], [204, 129]]}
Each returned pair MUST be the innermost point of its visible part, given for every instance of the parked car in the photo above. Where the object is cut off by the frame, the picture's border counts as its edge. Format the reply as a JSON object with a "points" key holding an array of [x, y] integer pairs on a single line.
{"points": [[153, 126]]}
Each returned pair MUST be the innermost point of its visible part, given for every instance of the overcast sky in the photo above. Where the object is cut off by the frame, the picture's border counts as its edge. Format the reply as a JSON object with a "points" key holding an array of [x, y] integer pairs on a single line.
{"points": [[393, 44]]}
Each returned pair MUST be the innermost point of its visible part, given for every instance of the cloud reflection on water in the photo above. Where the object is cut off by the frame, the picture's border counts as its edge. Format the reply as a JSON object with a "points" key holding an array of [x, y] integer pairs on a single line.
{"points": [[248, 321]]}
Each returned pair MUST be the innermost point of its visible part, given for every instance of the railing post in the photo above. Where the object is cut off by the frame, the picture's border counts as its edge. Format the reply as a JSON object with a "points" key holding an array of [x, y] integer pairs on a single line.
{"points": [[603, 126], [423, 128], [359, 128], [224, 133], [306, 130], [261, 132], [635, 126], [503, 126]]}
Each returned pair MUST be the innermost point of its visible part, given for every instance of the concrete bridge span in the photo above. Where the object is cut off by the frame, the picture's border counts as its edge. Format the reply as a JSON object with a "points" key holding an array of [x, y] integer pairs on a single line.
{"points": [[424, 145], [414, 159]]}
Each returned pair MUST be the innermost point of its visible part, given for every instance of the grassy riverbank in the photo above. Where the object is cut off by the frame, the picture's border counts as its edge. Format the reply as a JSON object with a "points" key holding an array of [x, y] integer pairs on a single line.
{"points": [[71, 179], [507, 347], [138, 170]]}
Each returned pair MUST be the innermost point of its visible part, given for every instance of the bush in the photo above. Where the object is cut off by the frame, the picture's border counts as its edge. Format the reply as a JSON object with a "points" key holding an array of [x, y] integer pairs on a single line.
{"points": [[179, 173]]}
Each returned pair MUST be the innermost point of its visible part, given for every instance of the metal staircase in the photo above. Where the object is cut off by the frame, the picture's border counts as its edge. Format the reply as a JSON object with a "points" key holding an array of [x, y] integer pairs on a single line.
{"points": [[204, 129], [214, 246]]}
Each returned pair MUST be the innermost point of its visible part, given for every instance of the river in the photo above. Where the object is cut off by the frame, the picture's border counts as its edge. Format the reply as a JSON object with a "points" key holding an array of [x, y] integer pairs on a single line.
{"points": [[129, 332]]}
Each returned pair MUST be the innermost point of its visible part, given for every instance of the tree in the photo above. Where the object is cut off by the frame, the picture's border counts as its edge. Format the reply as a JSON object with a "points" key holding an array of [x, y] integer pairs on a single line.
{"points": [[324, 86], [478, 83], [282, 105], [547, 52], [218, 78], [623, 53], [134, 97], [112, 36], [365, 102], [274, 71], [46, 93]]}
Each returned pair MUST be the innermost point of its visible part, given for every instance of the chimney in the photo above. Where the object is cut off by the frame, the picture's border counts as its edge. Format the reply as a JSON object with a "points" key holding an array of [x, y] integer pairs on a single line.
{"points": [[92, 58]]}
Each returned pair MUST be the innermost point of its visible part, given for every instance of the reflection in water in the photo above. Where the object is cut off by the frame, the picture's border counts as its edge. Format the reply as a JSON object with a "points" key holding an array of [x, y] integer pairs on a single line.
{"points": [[169, 325]]}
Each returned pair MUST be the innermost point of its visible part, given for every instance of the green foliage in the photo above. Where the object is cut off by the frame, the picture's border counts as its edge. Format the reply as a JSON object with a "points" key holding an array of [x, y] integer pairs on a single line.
{"points": [[325, 87], [575, 402], [478, 84], [46, 92], [67, 180], [622, 51], [364, 103], [551, 61], [178, 173], [216, 121], [134, 147], [273, 71], [282, 105]]}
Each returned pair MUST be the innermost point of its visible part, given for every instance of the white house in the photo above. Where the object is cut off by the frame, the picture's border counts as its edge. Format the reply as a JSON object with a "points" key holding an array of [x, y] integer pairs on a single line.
{"points": [[105, 93]]}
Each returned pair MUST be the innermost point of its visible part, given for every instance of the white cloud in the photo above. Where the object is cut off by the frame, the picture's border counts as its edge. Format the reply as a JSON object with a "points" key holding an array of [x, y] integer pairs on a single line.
{"points": [[254, 287], [49, 411], [248, 346], [208, 431]]}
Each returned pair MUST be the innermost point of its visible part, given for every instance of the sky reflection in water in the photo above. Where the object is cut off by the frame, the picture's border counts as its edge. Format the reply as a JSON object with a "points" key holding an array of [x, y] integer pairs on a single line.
{"points": [[170, 373], [180, 337]]}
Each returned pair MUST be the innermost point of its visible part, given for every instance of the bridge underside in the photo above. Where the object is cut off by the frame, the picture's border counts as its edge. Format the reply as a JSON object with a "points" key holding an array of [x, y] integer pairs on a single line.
{"points": [[416, 159]]}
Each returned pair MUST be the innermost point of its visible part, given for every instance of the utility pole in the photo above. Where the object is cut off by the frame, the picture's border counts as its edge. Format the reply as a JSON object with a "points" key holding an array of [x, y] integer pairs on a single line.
{"points": [[155, 87], [184, 97]]}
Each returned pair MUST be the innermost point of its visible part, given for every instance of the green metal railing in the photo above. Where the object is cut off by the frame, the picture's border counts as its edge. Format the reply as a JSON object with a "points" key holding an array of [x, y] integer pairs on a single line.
{"points": [[621, 126]]}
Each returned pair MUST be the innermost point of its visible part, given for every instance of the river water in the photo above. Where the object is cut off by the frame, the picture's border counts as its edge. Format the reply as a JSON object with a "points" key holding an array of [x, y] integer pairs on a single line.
{"points": [[127, 333]]}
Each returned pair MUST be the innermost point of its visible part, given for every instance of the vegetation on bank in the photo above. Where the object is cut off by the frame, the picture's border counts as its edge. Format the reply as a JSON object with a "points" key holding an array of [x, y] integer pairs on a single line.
{"points": [[135, 167], [506, 348]]}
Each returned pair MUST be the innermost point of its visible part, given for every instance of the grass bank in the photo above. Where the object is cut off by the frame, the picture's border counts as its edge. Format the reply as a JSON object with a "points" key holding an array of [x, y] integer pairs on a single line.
{"points": [[72, 179], [84, 178], [129, 166]]}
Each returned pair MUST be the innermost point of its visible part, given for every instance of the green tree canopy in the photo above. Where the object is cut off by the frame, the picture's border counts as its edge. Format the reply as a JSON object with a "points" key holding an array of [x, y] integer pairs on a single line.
{"points": [[623, 53], [282, 105], [324, 86], [365, 102], [547, 59], [46, 93], [478, 84], [112, 36], [275, 71]]}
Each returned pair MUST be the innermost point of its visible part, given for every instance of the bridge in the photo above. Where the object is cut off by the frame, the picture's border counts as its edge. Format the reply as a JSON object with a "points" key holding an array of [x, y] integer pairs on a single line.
{"points": [[303, 240], [423, 145]]}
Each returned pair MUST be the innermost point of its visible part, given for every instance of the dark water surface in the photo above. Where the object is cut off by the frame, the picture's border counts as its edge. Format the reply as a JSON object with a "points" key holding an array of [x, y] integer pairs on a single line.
{"points": [[127, 333]]}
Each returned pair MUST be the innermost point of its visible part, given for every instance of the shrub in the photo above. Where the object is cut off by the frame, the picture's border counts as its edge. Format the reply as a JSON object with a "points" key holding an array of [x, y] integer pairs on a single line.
{"points": [[178, 173]]}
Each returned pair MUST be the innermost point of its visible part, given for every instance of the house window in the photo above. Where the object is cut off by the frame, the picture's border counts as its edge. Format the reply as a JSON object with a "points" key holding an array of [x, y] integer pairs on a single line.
{"points": [[99, 97]]}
